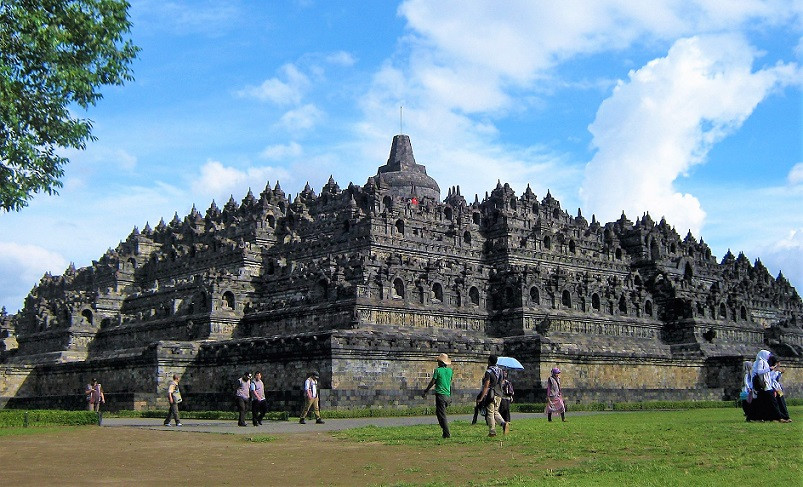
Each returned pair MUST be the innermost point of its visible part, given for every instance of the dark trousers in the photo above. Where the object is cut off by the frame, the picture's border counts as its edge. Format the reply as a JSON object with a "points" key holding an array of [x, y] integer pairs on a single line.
{"points": [[441, 403], [172, 413], [258, 410], [781, 400], [242, 406], [766, 406], [504, 409]]}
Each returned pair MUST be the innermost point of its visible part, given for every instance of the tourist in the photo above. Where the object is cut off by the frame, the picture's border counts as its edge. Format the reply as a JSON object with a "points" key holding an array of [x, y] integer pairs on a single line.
{"points": [[775, 377], [311, 398], [174, 398], [492, 385], [507, 398], [765, 405], [96, 396], [88, 394], [554, 396], [442, 380], [259, 404], [242, 396], [747, 395]]}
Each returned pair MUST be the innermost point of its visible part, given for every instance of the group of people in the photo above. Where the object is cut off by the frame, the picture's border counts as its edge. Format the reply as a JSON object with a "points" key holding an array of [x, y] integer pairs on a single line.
{"points": [[762, 395], [251, 389], [494, 397]]}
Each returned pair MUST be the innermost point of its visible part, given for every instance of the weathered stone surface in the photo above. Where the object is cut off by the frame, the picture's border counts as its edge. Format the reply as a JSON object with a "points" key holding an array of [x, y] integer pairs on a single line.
{"points": [[369, 283]]}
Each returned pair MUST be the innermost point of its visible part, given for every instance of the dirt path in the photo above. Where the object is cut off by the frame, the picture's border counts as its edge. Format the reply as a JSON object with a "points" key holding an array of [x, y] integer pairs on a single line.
{"points": [[135, 456]]}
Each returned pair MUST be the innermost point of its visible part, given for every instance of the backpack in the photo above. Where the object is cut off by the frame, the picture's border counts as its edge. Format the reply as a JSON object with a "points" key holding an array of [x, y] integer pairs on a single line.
{"points": [[495, 386], [507, 388]]}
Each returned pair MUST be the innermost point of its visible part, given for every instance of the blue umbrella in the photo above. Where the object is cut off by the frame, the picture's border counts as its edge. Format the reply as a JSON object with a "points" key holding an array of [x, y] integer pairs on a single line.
{"points": [[510, 363]]}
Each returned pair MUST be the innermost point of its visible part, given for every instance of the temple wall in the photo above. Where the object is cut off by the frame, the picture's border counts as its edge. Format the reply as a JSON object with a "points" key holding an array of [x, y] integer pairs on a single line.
{"points": [[371, 367]]}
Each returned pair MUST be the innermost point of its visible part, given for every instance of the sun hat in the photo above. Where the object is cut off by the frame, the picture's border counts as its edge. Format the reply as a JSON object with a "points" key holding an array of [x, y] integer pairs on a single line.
{"points": [[444, 358], [555, 371]]}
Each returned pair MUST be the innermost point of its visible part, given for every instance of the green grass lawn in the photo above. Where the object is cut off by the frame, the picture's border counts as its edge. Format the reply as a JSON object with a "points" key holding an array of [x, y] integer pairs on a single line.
{"points": [[699, 447]]}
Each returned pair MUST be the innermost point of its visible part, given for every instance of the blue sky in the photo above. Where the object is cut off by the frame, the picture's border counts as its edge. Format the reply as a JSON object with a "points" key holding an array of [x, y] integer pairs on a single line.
{"points": [[689, 110]]}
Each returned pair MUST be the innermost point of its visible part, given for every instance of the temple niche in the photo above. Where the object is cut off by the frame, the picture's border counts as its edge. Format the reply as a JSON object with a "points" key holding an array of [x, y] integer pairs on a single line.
{"points": [[368, 283]]}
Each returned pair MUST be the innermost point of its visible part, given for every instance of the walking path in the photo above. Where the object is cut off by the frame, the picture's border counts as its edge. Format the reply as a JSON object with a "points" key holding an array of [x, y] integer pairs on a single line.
{"points": [[292, 426]]}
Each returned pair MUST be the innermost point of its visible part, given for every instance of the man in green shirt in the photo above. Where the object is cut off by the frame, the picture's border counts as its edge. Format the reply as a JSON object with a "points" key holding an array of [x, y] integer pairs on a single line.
{"points": [[442, 380]]}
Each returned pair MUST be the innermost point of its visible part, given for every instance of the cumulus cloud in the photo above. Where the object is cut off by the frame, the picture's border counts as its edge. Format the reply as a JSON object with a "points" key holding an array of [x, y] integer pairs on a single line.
{"points": [[282, 151], [21, 266], [783, 255], [795, 176], [287, 92], [664, 119], [301, 118], [341, 58], [218, 181]]}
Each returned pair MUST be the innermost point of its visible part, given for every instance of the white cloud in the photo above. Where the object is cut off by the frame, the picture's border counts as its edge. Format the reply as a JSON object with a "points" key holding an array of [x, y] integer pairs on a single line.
{"points": [[795, 176], [21, 266], [289, 92], [341, 58], [282, 151], [219, 182], [783, 255], [664, 119], [302, 118]]}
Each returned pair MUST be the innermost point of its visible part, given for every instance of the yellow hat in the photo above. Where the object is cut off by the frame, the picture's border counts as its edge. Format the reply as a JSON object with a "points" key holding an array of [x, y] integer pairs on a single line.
{"points": [[444, 358]]}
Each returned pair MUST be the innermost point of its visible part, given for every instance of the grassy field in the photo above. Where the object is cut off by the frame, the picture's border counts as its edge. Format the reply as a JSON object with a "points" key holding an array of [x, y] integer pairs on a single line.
{"points": [[701, 447], [663, 448]]}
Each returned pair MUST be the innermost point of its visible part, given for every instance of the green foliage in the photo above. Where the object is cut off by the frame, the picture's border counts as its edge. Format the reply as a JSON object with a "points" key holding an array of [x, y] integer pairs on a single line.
{"points": [[17, 418], [794, 401], [704, 446], [639, 406], [53, 54]]}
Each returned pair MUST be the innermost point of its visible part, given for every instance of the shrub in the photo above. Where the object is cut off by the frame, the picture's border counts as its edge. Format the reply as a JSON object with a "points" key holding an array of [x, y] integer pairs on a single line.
{"points": [[17, 418]]}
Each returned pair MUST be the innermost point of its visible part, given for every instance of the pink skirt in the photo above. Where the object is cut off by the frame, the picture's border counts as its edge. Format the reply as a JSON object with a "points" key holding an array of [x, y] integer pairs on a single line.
{"points": [[554, 405]]}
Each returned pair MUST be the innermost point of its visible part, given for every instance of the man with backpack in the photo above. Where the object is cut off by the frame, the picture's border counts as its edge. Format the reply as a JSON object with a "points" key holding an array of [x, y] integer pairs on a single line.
{"points": [[491, 395]]}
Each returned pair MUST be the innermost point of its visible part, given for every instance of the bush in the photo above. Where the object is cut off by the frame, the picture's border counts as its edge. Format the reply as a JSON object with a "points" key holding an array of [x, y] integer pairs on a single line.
{"points": [[17, 418]]}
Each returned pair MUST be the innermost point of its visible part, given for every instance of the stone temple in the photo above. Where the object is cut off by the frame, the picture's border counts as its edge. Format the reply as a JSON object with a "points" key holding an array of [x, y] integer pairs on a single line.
{"points": [[367, 284]]}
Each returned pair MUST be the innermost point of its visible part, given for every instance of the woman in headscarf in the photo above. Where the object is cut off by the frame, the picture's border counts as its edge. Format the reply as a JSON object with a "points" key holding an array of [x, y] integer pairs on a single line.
{"points": [[554, 396], [746, 396], [765, 405], [777, 388]]}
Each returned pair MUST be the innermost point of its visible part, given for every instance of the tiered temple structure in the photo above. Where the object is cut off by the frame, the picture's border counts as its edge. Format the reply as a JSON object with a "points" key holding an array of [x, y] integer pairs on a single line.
{"points": [[367, 284]]}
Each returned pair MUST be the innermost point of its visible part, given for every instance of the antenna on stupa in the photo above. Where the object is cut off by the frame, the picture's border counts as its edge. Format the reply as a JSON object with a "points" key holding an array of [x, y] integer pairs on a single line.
{"points": [[401, 120]]}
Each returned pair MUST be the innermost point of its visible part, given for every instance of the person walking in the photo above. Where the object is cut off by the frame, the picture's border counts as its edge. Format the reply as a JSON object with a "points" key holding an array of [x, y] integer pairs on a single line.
{"points": [[765, 405], [174, 398], [311, 399], [747, 395], [492, 384], [442, 380], [242, 396], [775, 377], [259, 404], [554, 396], [507, 397], [96, 396]]}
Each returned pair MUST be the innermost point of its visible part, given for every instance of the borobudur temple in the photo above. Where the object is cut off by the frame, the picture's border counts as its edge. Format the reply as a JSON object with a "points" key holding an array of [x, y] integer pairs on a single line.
{"points": [[367, 284]]}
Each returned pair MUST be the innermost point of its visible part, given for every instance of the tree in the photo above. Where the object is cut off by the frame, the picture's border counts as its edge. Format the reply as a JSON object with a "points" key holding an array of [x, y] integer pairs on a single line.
{"points": [[54, 55]]}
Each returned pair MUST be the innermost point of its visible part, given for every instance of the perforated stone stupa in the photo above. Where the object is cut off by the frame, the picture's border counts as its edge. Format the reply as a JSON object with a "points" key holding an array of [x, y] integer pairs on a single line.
{"points": [[367, 284]]}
